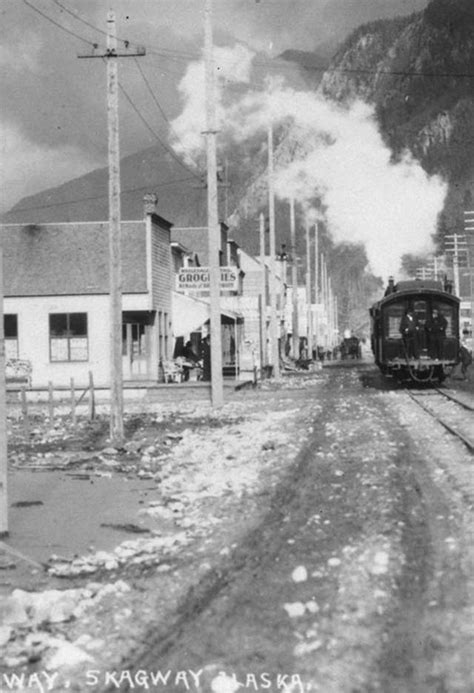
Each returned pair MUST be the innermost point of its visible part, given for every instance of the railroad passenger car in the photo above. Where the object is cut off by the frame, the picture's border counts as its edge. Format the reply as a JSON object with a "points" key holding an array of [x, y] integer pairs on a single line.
{"points": [[430, 353]]}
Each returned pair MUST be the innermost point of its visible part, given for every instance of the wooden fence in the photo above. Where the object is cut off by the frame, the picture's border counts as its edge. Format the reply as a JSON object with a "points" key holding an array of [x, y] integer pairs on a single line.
{"points": [[75, 399]]}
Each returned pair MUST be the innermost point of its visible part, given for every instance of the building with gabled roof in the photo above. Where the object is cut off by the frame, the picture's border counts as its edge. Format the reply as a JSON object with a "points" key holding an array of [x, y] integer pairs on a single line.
{"points": [[56, 298]]}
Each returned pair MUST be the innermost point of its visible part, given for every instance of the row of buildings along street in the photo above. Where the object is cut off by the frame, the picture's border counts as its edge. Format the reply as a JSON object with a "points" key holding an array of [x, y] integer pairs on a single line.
{"points": [[57, 312]]}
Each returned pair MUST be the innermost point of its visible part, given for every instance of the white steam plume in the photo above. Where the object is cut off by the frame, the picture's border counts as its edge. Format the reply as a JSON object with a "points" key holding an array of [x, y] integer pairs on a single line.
{"points": [[231, 65], [338, 155]]}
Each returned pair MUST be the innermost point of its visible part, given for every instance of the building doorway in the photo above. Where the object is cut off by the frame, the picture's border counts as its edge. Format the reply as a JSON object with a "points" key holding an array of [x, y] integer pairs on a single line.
{"points": [[137, 327]]}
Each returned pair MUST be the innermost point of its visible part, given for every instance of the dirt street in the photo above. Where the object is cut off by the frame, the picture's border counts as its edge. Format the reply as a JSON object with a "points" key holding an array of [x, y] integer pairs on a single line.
{"points": [[320, 541]]}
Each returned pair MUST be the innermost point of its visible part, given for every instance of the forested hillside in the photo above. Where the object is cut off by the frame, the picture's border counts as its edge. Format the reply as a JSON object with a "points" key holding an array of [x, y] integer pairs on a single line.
{"points": [[419, 71]]}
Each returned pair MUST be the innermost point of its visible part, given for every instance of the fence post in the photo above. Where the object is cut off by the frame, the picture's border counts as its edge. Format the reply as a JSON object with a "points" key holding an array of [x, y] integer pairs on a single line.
{"points": [[24, 411], [73, 403], [91, 397], [50, 401]]}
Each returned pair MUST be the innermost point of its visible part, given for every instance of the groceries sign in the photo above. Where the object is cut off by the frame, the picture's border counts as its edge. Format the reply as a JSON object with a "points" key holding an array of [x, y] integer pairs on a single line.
{"points": [[197, 279]]}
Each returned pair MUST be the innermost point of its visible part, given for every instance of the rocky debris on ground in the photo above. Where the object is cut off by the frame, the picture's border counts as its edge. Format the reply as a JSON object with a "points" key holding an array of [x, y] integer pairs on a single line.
{"points": [[28, 618], [144, 552], [300, 574], [203, 463]]}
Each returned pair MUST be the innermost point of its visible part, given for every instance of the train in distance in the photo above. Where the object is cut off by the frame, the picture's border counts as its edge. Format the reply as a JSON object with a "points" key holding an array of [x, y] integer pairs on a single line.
{"points": [[415, 330]]}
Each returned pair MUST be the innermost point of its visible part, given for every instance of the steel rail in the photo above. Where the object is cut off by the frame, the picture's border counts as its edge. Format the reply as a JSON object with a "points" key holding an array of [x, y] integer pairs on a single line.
{"points": [[451, 397], [467, 442]]}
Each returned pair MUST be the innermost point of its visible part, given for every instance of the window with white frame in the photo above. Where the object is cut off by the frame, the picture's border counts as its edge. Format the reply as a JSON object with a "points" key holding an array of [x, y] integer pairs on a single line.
{"points": [[10, 328], [68, 339]]}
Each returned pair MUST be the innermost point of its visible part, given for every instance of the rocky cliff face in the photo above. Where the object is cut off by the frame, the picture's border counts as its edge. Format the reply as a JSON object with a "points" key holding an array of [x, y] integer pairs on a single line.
{"points": [[419, 72]]}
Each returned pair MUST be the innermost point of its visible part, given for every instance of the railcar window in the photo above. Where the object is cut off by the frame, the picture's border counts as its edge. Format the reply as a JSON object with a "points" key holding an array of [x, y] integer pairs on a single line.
{"points": [[393, 317]]}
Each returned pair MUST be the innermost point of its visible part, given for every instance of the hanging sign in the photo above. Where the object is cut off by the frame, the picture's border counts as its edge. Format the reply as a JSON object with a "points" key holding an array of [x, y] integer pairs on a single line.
{"points": [[197, 279]]}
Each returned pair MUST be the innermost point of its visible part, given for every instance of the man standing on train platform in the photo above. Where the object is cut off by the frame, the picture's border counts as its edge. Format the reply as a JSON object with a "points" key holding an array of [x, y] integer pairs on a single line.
{"points": [[435, 328], [409, 330]]}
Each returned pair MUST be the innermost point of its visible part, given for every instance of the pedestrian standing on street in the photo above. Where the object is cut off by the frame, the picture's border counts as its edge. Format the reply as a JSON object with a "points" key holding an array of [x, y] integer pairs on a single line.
{"points": [[206, 358], [465, 354]]}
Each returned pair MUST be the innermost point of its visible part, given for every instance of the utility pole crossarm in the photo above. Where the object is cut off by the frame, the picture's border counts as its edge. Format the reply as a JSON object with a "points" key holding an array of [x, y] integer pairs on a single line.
{"points": [[137, 51]]}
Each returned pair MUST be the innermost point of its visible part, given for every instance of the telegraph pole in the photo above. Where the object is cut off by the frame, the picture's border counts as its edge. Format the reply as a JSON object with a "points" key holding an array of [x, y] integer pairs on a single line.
{"points": [[263, 297], [272, 278], [325, 291], [456, 244], [469, 228], [3, 419], [316, 285], [111, 56], [309, 327], [217, 383], [294, 282]]}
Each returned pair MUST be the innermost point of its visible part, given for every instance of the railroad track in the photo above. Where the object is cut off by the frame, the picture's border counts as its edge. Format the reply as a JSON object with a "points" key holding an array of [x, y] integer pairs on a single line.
{"points": [[452, 412]]}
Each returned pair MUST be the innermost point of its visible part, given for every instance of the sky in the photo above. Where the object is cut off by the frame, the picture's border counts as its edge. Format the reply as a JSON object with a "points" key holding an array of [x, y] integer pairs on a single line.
{"points": [[53, 117]]}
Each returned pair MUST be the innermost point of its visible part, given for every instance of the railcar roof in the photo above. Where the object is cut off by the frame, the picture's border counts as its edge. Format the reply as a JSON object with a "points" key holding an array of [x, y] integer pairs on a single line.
{"points": [[416, 284], [417, 287]]}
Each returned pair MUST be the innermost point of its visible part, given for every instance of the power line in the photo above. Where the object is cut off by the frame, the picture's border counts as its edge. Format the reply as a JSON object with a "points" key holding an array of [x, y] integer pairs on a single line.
{"points": [[97, 197], [94, 45], [281, 64], [163, 52], [84, 21], [152, 93], [79, 18], [60, 26], [181, 55], [156, 136]]}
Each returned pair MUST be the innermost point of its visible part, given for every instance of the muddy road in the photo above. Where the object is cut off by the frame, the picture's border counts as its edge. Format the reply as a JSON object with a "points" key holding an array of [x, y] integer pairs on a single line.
{"points": [[358, 576]]}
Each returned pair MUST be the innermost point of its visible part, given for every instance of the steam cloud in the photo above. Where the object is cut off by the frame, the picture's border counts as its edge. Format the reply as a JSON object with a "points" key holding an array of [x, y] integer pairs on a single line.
{"points": [[231, 65], [337, 155]]}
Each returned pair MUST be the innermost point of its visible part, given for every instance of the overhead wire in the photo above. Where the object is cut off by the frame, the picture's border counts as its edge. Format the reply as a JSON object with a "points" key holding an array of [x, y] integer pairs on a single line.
{"points": [[57, 24], [281, 64], [181, 55], [145, 122], [155, 134], [81, 19], [271, 64], [98, 197], [162, 52], [150, 90], [157, 103]]}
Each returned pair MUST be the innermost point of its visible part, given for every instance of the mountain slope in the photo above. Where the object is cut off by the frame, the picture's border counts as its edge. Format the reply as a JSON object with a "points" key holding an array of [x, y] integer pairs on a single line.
{"points": [[182, 197], [419, 72]]}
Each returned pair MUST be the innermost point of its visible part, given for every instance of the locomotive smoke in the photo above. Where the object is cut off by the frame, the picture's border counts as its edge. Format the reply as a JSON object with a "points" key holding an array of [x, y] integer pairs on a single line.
{"points": [[334, 153], [233, 65]]}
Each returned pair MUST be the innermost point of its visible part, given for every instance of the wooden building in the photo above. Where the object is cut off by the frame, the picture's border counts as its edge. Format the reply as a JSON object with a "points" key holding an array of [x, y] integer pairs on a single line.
{"points": [[56, 305]]}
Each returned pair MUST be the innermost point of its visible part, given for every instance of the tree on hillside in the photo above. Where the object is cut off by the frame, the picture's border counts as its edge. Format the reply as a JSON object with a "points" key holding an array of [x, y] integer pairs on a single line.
{"points": [[356, 288]]}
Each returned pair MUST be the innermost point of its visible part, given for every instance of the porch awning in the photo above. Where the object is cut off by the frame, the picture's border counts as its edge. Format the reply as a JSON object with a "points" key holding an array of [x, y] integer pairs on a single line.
{"points": [[190, 313]]}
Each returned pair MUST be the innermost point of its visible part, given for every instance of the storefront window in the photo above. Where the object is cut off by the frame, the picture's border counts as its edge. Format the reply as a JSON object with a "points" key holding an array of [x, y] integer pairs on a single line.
{"points": [[10, 327], [68, 339]]}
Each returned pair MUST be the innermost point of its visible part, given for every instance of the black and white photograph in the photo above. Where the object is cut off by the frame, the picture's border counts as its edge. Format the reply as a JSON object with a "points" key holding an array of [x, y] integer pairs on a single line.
{"points": [[236, 381]]}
